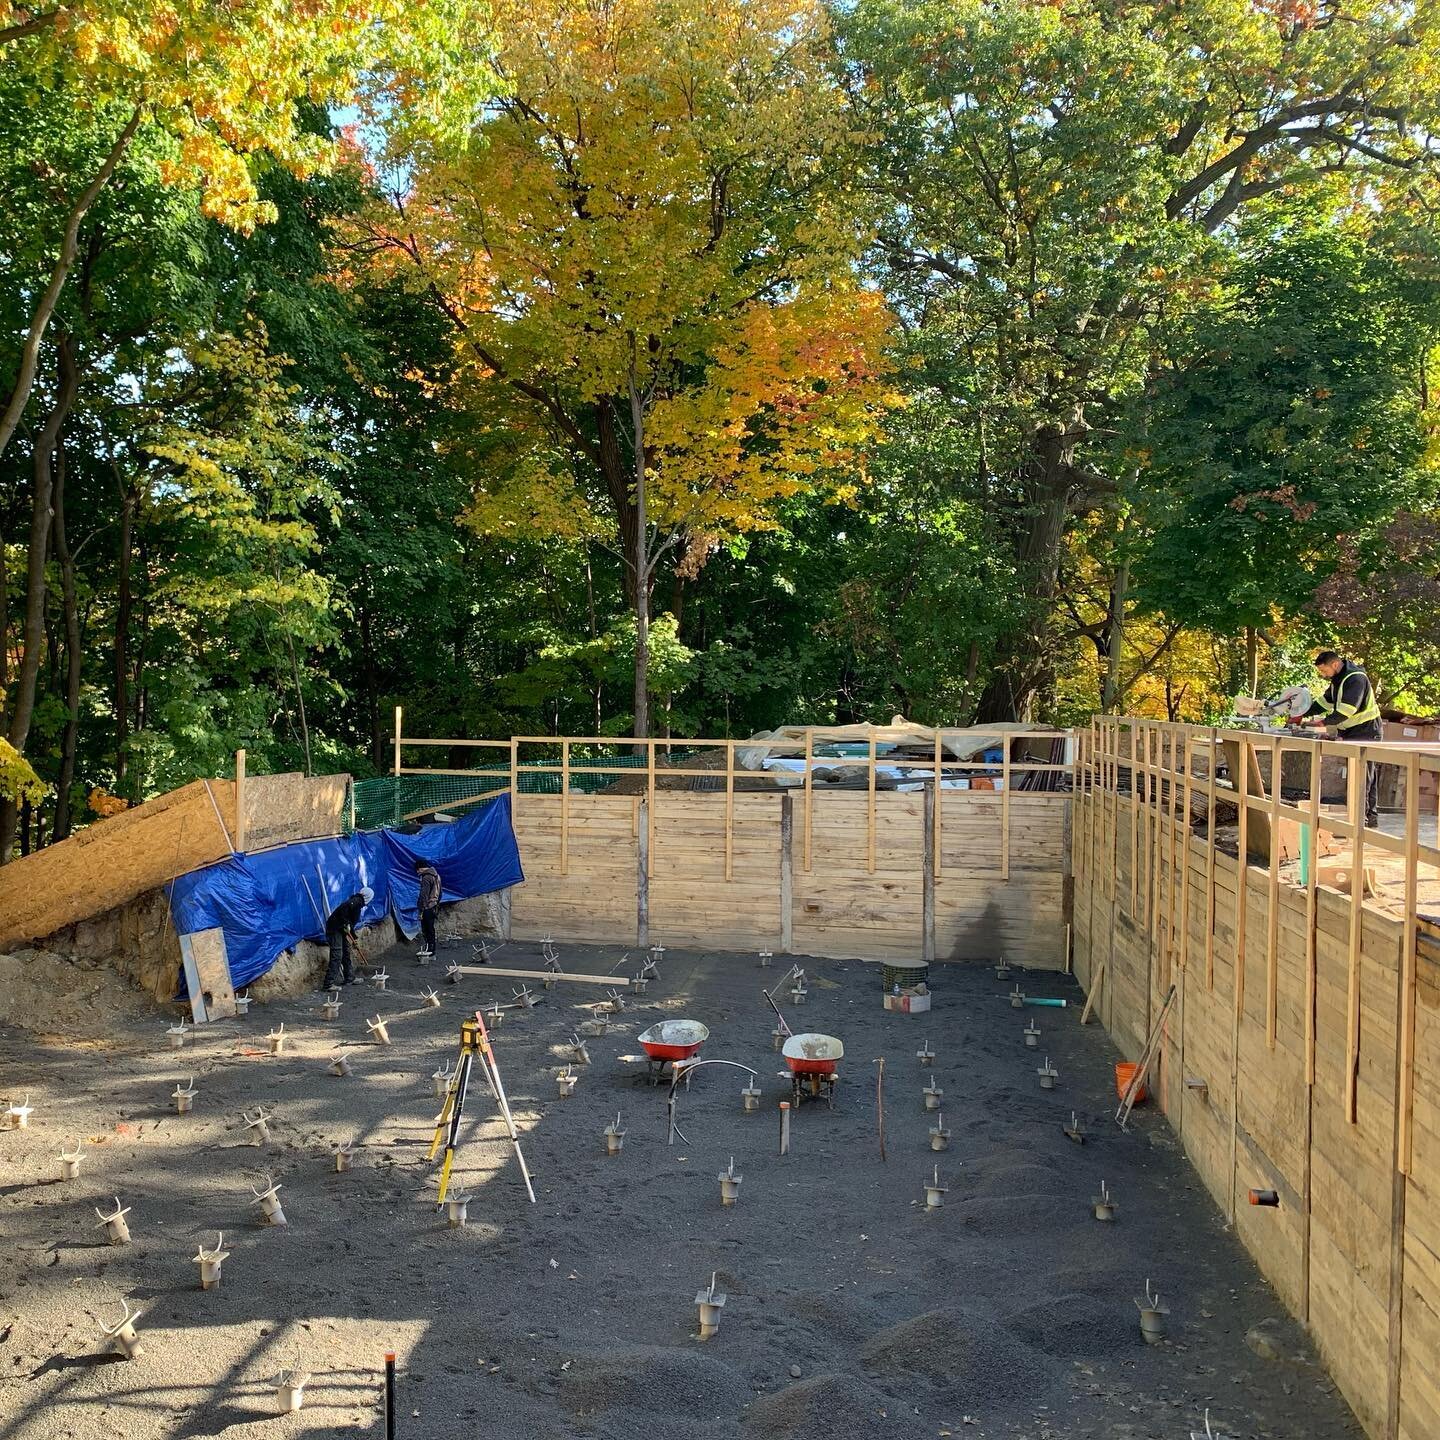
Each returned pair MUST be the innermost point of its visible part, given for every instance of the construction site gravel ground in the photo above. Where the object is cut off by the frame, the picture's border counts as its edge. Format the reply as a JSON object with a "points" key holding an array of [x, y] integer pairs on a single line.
{"points": [[850, 1313]]}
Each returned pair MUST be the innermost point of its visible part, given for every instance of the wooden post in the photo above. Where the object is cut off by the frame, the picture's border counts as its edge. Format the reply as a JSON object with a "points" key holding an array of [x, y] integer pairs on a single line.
{"points": [[1172, 899], [870, 824], [1114, 868], [1004, 806], [642, 876], [935, 839], [1408, 961], [1185, 861], [1152, 752], [240, 826], [809, 796], [927, 877], [564, 807], [1355, 806], [514, 779], [729, 809], [1159, 741], [1134, 819], [1242, 888], [1312, 902], [1242, 873], [1272, 914], [649, 812], [1210, 868], [787, 874], [399, 719]]}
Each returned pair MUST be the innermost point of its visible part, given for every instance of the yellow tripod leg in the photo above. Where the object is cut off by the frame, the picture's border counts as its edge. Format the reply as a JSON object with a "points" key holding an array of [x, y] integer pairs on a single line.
{"points": [[445, 1175], [442, 1120]]}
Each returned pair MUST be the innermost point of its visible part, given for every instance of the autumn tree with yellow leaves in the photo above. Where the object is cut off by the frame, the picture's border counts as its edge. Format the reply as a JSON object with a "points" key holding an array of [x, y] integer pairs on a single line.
{"points": [[647, 253], [224, 83]]}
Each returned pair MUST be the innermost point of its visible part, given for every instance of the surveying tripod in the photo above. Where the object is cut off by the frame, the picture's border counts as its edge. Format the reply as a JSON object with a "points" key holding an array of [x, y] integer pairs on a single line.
{"points": [[474, 1044]]}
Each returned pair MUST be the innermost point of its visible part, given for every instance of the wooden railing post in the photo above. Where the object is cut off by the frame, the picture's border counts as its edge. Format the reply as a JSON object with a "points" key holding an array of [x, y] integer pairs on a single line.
{"points": [[650, 808], [1004, 805], [240, 801], [1272, 909], [729, 809], [1355, 807], [870, 820], [564, 807], [935, 838], [809, 790], [1409, 960]]}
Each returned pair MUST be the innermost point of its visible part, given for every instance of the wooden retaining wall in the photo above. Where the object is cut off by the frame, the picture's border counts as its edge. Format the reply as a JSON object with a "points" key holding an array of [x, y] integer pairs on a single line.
{"points": [[1261, 1074], [627, 877]]}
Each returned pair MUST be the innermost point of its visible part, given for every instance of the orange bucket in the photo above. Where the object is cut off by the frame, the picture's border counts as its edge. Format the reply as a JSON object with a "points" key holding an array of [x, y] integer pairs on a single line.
{"points": [[1124, 1074]]}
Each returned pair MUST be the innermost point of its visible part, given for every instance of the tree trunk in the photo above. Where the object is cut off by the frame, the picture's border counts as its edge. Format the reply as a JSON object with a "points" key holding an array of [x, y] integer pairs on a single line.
{"points": [[4, 630], [45, 307], [1252, 660], [23, 704], [1111, 692], [140, 716], [372, 690], [295, 680], [1024, 657], [643, 564], [123, 602], [66, 559]]}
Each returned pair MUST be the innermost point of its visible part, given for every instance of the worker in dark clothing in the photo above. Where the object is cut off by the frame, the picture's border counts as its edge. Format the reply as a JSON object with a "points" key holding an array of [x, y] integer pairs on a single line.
{"points": [[340, 932], [430, 887], [1348, 703]]}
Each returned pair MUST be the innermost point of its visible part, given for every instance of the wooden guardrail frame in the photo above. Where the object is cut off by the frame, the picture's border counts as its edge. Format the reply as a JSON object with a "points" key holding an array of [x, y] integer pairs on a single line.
{"points": [[872, 761], [1100, 759]]}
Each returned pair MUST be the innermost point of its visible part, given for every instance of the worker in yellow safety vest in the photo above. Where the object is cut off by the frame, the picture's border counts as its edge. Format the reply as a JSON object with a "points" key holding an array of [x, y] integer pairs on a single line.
{"points": [[1348, 704]]}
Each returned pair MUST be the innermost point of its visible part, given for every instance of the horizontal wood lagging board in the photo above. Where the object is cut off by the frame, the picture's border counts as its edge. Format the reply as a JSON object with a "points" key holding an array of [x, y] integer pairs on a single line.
{"points": [[1274, 1236], [691, 901], [1351, 1329], [1022, 921], [595, 900], [839, 907], [1347, 1275], [1419, 1374]]}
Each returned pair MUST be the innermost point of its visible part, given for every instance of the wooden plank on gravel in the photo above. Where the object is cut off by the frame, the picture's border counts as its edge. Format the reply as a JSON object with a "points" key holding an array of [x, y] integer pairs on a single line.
{"points": [[496, 970]]}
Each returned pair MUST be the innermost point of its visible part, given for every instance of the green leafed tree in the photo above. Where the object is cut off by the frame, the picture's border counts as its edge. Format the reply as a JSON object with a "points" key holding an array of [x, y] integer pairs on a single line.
{"points": [[1283, 432], [1052, 179]]}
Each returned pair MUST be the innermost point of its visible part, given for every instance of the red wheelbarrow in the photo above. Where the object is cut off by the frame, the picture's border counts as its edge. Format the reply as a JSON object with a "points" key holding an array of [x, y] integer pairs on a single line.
{"points": [[812, 1059], [670, 1041]]}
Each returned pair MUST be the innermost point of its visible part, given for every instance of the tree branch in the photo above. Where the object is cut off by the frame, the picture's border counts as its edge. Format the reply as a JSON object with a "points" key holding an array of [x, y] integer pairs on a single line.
{"points": [[33, 26]]}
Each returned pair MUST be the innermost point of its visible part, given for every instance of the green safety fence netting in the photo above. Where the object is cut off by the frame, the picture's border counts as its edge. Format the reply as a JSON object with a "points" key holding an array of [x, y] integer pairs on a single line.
{"points": [[395, 799]]}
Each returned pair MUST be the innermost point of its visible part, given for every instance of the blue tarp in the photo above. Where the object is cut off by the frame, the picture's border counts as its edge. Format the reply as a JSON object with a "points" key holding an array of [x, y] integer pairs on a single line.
{"points": [[267, 903]]}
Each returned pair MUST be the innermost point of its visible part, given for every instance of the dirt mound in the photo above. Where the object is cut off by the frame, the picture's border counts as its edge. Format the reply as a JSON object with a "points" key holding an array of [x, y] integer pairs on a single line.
{"points": [[654, 1381], [972, 1357], [1070, 1326], [1010, 1216], [50, 996], [839, 1407]]}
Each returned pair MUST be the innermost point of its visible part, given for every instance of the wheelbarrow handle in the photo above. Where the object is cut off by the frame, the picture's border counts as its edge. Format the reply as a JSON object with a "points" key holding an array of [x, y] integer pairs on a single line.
{"points": [[770, 1001]]}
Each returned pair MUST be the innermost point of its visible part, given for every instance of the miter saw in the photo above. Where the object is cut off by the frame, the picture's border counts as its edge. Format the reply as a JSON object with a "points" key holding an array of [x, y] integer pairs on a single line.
{"points": [[1293, 702]]}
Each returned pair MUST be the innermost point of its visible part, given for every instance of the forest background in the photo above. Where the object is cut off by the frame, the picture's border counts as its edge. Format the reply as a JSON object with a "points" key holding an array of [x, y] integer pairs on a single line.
{"points": [[696, 366]]}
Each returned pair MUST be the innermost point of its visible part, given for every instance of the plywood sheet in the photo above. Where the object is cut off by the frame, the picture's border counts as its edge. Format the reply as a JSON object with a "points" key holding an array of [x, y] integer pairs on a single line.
{"points": [[207, 975], [113, 861]]}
